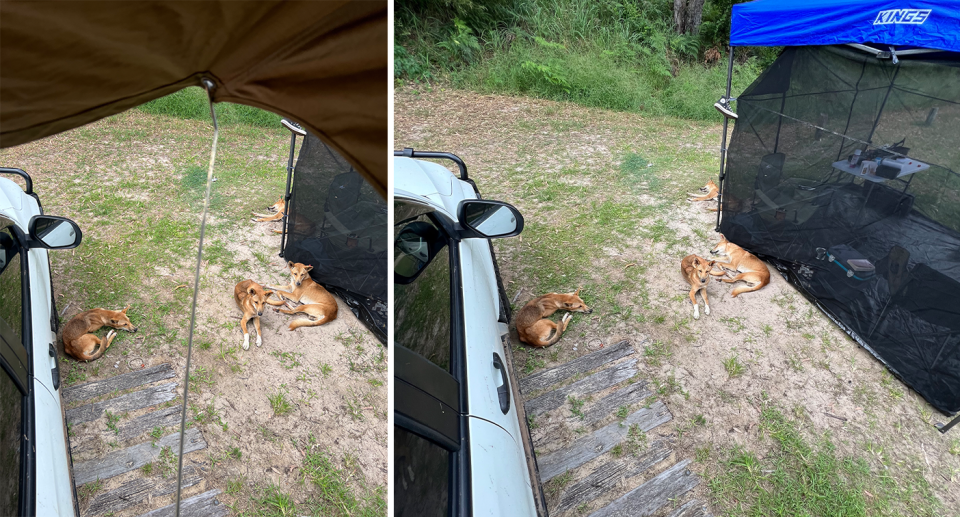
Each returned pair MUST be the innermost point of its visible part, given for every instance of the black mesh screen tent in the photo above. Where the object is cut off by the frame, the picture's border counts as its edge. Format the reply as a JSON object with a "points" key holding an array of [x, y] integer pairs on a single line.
{"points": [[842, 172], [337, 223]]}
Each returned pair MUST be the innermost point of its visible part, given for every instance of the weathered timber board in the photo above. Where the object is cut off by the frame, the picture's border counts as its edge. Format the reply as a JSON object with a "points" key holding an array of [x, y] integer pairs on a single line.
{"points": [[601, 441], [547, 378], [611, 403], [129, 402], [651, 496], [609, 474], [121, 382], [134, 457], [691, 508], [139, 490], [596, 382], [166, 417], [203, 505]]}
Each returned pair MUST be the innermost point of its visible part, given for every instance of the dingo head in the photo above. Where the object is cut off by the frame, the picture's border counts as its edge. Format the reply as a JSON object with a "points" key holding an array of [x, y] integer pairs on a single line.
{"points": [[119, 320], [278, 206], [258, 297], [721, 247], [699, 270], [708, 187], [572, 302], [299, 272]]}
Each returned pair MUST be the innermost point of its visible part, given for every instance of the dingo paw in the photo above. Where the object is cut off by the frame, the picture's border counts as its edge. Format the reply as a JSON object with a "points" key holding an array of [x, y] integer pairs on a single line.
{"points": [[259, 341], [246, 342], [706, 310], [696, 312]]}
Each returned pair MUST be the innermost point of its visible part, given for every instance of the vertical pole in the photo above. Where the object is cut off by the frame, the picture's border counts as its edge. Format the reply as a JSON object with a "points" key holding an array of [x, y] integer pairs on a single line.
{"points": [[723, 140], [286, 193]]}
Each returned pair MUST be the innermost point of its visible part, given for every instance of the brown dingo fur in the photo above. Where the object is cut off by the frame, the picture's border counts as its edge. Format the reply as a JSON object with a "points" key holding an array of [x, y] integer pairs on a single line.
{"points": [[710, 191], [751, 269], [696, 271], [279, 208], [251, 298], [533, 327], [78, 340], [319, 304]]}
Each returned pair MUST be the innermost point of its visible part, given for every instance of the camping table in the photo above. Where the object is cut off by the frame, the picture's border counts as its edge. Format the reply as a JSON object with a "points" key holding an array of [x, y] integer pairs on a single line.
{"points": [[908, 167]]}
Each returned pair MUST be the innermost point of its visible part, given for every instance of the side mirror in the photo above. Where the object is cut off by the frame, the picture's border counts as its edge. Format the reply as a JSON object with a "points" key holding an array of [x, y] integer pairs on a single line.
{"points": [[489, 219], [52, 232]]}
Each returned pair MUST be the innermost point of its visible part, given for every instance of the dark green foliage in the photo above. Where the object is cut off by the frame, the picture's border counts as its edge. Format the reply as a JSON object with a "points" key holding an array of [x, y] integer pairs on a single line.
{"points": [[614, 54]]}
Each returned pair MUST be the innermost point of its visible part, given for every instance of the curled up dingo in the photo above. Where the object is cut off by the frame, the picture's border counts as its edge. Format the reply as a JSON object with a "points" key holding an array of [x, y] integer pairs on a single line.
{"points": [[532, 324]]}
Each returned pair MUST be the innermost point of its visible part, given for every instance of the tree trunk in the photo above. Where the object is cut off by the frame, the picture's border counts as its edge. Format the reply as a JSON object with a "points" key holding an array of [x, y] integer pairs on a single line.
{"points": [[687, 15]]}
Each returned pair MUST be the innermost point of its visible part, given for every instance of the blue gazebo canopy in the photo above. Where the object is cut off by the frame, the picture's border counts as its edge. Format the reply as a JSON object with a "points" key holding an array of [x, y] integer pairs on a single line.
{"points": [[773, 23]]}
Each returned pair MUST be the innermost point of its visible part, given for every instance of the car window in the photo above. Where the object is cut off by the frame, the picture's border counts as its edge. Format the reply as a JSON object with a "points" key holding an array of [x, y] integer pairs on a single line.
{"points": [[422, 306], [11, 289], [421, 476]]}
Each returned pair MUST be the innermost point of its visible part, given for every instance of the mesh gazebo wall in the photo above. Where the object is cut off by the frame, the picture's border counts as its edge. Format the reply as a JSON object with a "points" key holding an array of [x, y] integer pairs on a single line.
{"points": [[337, 223], [880, 256]]}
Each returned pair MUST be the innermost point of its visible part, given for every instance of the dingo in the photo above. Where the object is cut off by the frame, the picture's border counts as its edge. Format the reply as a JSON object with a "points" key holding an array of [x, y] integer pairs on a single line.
{"points": [[279, 208], [710, 191], [78, 340], [251, 298], [696, 270], [751, 269], [319, 304], [533, 327]]}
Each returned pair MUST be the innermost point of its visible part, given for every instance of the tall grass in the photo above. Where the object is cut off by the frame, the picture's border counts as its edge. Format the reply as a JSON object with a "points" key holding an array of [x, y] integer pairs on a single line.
{"points": [[615, 54], [191, 103]]}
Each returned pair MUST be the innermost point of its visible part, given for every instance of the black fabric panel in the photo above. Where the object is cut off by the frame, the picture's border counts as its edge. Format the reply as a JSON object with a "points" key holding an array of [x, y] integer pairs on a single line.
{"points": [[337, 223], [784, 200]]}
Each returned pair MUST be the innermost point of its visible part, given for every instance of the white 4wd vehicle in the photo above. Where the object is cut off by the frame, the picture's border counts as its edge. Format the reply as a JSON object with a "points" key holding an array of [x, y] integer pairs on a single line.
{"points": [[461, 444], [35, 474]]}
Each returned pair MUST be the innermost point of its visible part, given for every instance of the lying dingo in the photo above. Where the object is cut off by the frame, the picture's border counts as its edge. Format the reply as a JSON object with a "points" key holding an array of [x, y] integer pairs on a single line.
{"points": [[278, 208], [696, 271], [250, 298], [319, 304], [533, 327], [709, 191], [78, 340], [751, 269]]}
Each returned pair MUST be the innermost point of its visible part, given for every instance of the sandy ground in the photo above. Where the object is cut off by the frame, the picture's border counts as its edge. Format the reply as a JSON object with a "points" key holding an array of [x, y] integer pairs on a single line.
{"points": [[791, 354]]}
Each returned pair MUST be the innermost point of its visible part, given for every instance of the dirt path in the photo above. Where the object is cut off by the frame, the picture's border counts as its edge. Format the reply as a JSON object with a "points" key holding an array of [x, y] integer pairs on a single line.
{"points": [[604, 200]]}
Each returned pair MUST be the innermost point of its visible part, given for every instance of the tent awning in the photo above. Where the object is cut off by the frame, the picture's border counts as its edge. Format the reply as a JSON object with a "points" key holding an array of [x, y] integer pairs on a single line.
{"points": [[773, 23], [323, 64]]}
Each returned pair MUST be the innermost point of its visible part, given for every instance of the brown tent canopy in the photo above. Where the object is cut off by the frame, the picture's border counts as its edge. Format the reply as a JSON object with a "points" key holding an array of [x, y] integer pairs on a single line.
{"points": [[323, 64]]}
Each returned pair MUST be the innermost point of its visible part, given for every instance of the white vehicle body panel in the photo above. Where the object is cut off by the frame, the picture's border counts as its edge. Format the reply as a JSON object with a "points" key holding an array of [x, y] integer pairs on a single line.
{"points": [[499, 481], [53, 479]]}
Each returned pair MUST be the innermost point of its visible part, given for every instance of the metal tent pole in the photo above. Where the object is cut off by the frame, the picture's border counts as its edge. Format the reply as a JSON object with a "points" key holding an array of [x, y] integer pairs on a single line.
{"points": [[295, 130], [723, 140]]}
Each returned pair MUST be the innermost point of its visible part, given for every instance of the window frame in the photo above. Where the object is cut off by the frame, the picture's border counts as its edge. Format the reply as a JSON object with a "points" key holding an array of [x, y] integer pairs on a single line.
{"points": [[28, 454], [459, 496]]}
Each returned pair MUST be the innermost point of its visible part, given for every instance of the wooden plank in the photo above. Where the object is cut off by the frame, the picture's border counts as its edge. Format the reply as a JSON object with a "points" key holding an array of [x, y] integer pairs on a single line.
{"points": [[691, 508], [134, 457], [129, 402], [203, 505], [651, 496], [601, 441], [596, 382], [121, 382], [609, 405], [166, 417], [609, 475], [139, 490], [547, 378]]}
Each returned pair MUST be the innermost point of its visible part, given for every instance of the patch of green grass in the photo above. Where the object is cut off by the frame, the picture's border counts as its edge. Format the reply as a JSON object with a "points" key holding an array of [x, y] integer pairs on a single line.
{"points": [[636, 441], [797, 477], [955, 447], [617, 450], [702, 454], [557, 484], [86, 491], [533, 363], [576, 406], [735, 324], [112, 420], [279, 401], [166, 463], [655, 353], [192, 103], [334, 496], [234, 486], [288, 360], [622, 412], [733, 366]]}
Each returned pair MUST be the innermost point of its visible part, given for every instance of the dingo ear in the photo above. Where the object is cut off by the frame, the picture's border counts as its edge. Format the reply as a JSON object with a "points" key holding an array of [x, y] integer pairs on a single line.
{"points": [[307, 268], [252, 290], [266, 294], [290, 265], [125, 309], [577, 292], [696, 261], [711, 263]]}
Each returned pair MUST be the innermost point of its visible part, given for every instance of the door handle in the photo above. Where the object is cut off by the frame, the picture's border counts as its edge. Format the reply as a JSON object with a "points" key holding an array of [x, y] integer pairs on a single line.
{"points": [[503, 392], [55, 371]]}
